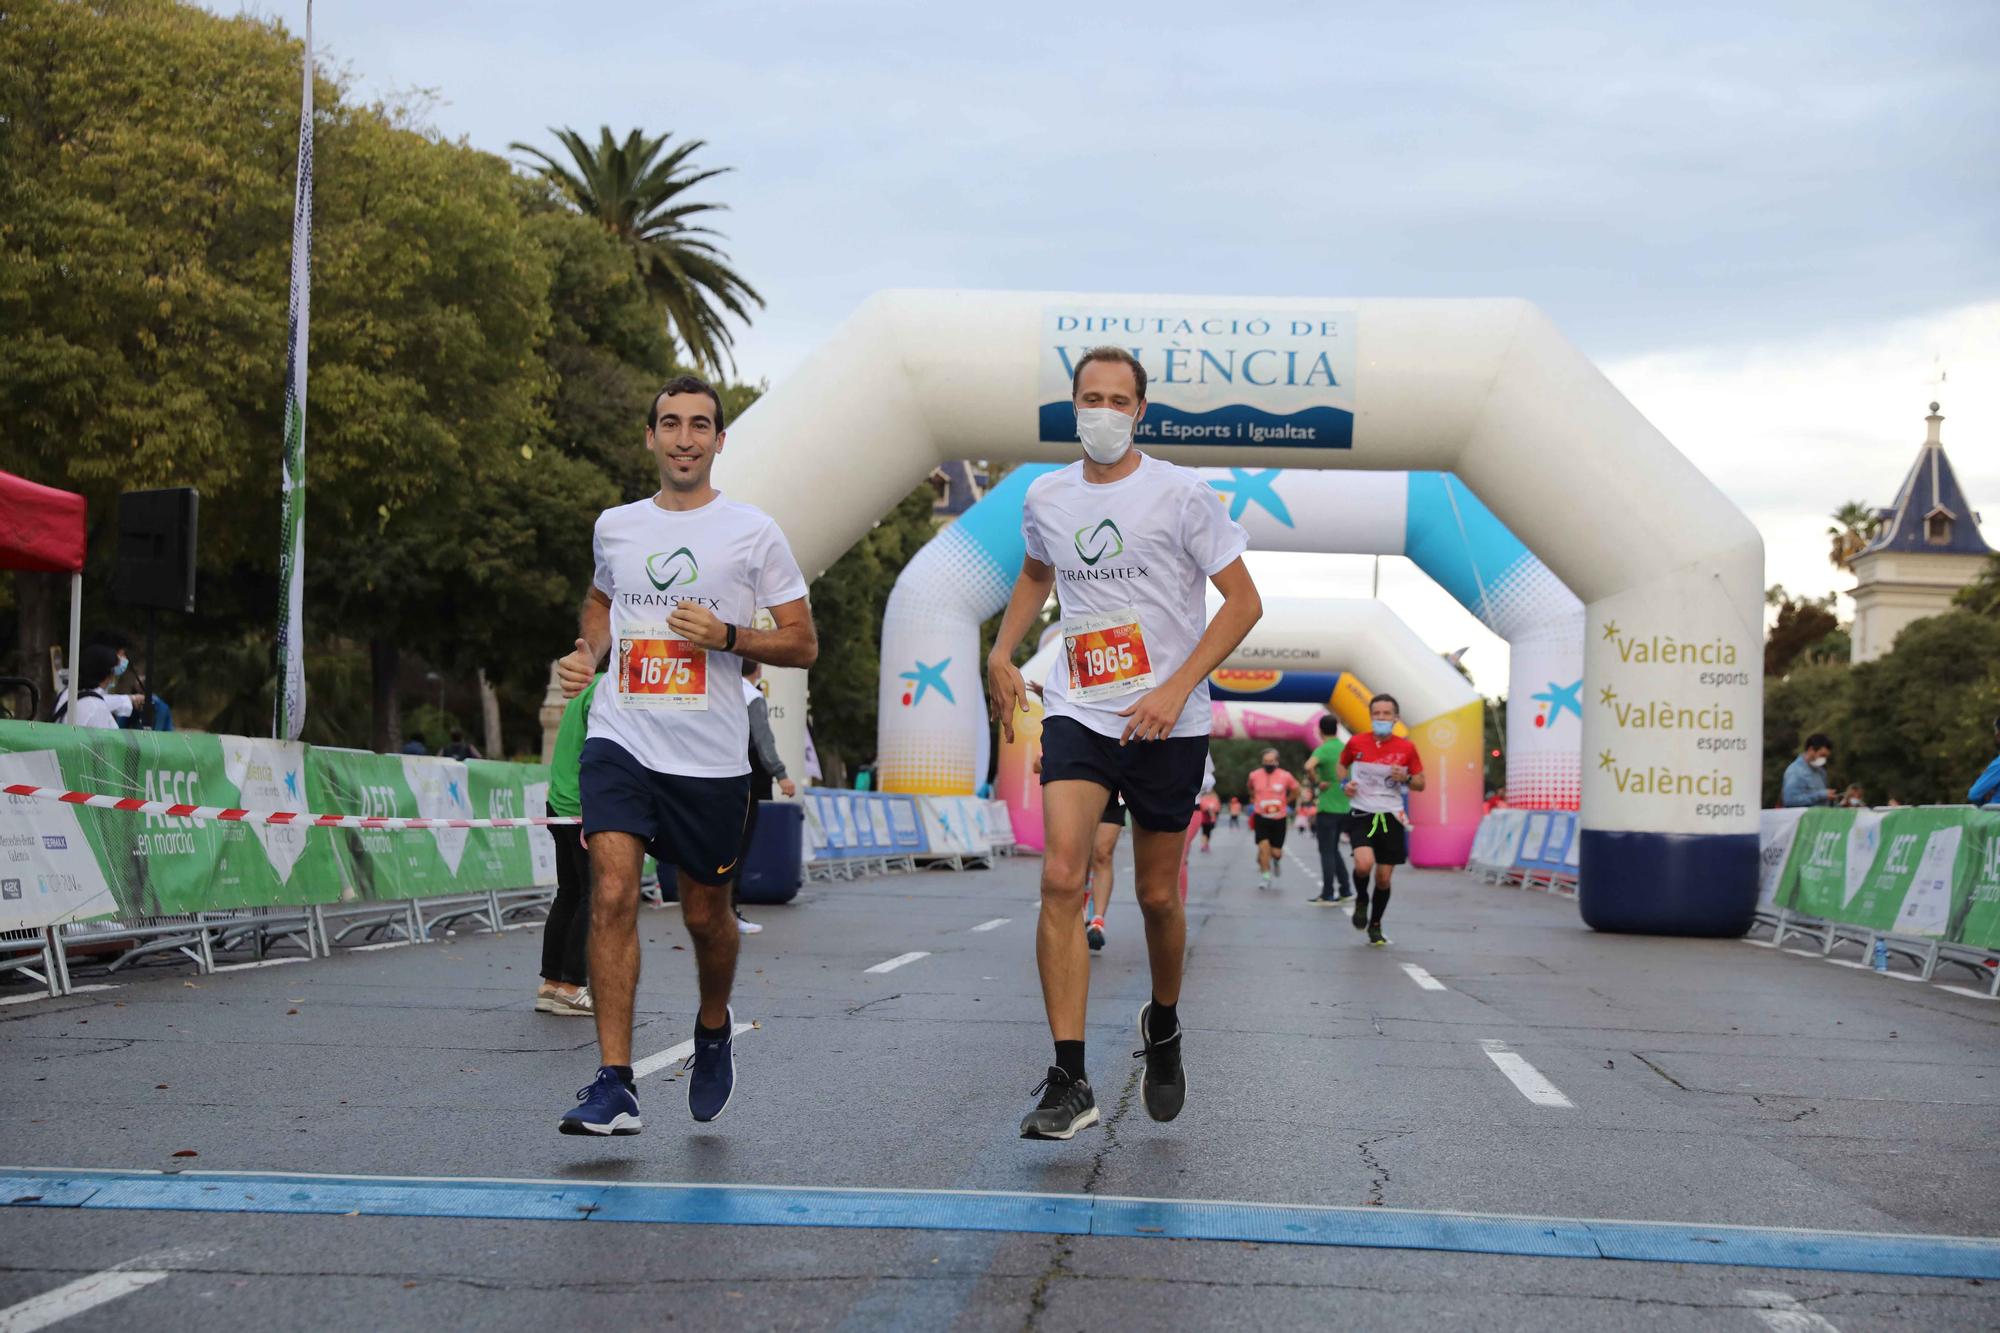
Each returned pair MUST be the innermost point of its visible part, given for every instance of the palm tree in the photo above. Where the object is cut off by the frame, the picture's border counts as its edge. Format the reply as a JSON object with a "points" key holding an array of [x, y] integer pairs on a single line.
{"points": [[1854, 526], [636, 190]]}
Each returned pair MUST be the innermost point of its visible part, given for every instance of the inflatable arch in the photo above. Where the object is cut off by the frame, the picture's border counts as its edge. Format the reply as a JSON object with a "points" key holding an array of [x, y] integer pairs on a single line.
{"points": [[1670, 572], [1267, 722], [932, 733]]}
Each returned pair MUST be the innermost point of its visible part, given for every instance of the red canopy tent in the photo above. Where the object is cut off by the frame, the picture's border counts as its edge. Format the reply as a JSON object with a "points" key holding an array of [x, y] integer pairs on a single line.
{"points": [[42, 531]]}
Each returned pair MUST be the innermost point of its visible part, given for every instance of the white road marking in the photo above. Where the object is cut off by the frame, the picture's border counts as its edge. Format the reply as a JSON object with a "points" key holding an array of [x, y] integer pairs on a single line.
{"points": [[1777, 1310], [897, 961], [1525, 1077], [44, 995], [1806, 953], [1846, 962], [1761, 944], [1967, 990], [262, 962], [87, 1293], [994, 924], [673, 1055], [1423, 978], [370, 948]]}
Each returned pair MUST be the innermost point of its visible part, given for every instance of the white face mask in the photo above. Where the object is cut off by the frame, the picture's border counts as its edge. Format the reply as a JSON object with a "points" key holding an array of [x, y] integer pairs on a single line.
{"points": [[1817, 761], [1106, 433]]}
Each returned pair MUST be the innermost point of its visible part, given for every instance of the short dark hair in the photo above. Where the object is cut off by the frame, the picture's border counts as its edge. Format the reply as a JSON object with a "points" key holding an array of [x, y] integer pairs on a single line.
{"points": [[1327, 726], [1108, 353], [1819, 740], [1389, 699], [97, 661], [750, 668], [685, 384]]}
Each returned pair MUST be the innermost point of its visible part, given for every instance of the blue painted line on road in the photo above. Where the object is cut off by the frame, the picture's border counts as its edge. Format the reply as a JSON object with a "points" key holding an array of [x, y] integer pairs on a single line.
{"points": [[1042, 1214]]}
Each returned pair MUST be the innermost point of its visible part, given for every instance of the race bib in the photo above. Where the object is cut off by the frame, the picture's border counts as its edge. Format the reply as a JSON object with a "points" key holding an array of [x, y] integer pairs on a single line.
{"points": [[1106, 656], [656, 670]]}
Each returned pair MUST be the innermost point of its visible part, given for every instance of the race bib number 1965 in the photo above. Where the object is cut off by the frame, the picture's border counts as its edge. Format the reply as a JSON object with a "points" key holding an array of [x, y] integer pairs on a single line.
{"points": [[655, 670], [1106, 656]]}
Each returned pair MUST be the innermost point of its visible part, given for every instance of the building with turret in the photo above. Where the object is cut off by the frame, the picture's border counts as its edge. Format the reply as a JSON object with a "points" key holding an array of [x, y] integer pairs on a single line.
{"points": [[1927, 546]]}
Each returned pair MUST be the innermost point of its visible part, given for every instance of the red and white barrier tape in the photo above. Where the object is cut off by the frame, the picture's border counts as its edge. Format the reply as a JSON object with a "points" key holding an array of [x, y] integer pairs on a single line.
{"points": [[292, 818]]}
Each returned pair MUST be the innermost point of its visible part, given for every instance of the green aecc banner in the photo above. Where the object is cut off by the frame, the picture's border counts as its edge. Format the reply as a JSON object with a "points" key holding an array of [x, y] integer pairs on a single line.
{"points": [[71, 863], [1928, 872]]}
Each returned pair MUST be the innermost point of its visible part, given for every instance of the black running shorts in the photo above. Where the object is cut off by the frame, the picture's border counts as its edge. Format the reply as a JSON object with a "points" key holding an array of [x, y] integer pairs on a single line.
{"points": [[1268, 829], [1159, 781], [1382, 834], [692, 824]]}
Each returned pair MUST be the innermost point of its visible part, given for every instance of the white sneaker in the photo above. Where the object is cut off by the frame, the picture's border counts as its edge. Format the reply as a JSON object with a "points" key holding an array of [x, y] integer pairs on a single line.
{"points": [[576, 1005], [747, 927]]}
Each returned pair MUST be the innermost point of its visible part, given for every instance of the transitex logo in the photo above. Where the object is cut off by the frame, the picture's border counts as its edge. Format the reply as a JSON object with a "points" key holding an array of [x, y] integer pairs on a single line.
{"points": [[1102, 541], [55, 842], [672, 569]]}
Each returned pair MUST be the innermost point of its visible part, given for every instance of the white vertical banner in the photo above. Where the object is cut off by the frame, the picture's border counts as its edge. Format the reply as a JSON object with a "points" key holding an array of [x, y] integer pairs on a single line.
{"points": [[289, 709]]}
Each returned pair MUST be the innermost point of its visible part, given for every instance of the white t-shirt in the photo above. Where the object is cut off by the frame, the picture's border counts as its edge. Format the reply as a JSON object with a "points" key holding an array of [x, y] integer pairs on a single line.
{"points": [[1146, 543], [729, 557], [97, 709]]}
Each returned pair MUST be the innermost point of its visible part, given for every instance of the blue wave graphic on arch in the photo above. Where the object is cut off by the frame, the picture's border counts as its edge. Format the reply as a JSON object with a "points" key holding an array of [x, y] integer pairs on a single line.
{"points": [[1236, 425]]}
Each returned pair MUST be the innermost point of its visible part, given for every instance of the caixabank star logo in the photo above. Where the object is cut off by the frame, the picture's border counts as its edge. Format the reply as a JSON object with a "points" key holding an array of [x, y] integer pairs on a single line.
{"points": [[1099, 541]]}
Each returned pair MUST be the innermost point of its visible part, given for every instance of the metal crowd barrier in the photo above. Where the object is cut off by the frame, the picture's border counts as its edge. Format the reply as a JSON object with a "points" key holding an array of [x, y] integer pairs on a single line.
{"points": [[45, 954]]}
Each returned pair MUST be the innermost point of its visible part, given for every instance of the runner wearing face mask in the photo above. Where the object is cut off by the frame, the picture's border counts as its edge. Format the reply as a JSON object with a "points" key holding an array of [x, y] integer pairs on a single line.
{"points": [[1375, 769], [1126, 542], [1271, 792]]}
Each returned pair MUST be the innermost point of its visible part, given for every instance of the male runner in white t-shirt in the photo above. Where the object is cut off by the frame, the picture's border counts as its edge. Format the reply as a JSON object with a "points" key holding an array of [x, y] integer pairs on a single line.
{"points": [[666, 769], [1127, 543]]}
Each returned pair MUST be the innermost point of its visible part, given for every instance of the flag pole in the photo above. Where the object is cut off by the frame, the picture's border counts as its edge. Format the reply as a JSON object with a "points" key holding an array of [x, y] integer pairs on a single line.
{"points": [[289, 707]]}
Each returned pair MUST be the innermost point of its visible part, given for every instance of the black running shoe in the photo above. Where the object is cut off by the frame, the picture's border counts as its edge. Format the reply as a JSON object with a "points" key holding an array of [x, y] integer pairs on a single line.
{"points": [[1094, 933], [1376, 939], [1361, 911], [1165, 1083], [1067, 1105]]}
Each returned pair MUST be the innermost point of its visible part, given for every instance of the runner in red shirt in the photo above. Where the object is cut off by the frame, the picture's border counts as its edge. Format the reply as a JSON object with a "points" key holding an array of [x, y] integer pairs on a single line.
{"points": [[1271, 792], [1375, 769], [1209, 807]]}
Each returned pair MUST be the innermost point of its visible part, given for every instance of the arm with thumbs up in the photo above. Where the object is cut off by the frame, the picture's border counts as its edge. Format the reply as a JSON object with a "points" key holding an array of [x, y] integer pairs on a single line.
{"points": [[574, 671]]}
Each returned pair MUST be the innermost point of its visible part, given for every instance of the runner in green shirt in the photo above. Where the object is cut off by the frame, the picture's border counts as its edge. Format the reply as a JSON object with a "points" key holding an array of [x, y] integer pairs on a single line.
{"points": [[1331, 814], [565, 985]]}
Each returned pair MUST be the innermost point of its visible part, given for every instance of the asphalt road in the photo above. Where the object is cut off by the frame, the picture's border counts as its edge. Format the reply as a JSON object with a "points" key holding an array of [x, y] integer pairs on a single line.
{"points": [[1706, 1082]]}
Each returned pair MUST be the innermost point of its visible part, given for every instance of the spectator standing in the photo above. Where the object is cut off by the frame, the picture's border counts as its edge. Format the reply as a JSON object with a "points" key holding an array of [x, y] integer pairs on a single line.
{"points": [[97, 705], [1805, 778], [766, 768], [460, 748], [565, 987], [1330, 817]]}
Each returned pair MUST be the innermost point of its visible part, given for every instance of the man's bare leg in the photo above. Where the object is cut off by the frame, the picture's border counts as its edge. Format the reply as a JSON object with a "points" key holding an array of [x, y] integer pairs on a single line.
{"points": [[1071, 811], [615, 859], [1364, 875], [1103, 846], [1156, 859], [711, 925]]}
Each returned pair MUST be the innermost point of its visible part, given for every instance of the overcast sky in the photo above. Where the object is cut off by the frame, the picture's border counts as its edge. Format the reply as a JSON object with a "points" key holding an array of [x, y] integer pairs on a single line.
{"points": [[1775, 225]]}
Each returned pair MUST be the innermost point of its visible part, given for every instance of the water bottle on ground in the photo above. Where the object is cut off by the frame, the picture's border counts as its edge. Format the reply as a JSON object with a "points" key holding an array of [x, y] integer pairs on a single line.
{"points": [[1881, 955]]}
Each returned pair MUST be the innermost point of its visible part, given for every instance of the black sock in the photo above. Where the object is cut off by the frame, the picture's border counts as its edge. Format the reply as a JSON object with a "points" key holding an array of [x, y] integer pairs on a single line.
{"points": [[1381, 905], [624, 1073], [709, 1034], [1069, 1059], [1162, 1021]]}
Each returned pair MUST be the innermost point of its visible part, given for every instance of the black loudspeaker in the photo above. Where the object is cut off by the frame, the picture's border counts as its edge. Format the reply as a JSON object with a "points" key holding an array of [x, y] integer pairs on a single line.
{"points": [[156, 531]]}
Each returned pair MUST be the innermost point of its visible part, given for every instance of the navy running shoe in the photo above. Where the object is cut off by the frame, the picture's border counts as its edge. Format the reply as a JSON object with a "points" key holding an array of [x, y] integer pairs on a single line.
{"points": [[608, 1106], [714, 1077]]}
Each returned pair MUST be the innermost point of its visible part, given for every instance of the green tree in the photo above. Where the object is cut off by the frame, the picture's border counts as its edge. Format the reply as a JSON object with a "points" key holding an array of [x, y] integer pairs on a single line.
{"points": [[1982, 595], [636, 189], [1809, 699], [1920, 721], [1854, 526], [1803, 624]]}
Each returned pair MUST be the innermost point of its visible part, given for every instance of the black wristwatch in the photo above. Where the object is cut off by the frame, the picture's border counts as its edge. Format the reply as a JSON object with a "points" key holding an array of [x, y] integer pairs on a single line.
{"points": [[729, 639]]}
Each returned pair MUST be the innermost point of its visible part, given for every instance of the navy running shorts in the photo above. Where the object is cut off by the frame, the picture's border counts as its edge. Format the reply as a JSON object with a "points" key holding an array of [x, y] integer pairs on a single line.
{"points": [[694, 825], [1159, 781], [1270, 828]]}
